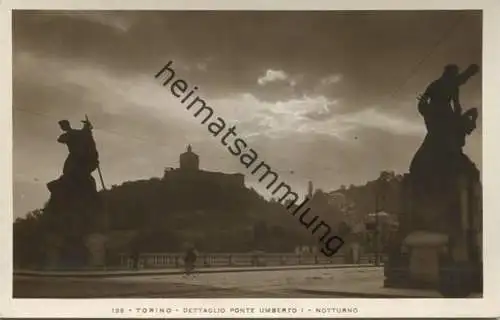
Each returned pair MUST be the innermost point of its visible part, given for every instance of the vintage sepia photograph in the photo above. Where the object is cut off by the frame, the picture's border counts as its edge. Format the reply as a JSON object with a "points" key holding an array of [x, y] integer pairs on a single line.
{"points": [[247, 154]]}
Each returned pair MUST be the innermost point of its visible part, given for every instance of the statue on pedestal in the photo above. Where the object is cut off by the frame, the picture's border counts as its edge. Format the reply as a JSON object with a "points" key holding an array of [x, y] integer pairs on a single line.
{"points": [[74, 203], [439, 227], [440, 161]]}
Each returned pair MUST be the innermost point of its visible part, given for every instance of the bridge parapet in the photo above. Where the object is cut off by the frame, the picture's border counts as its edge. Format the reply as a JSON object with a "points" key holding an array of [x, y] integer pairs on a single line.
{"points": [[175, 260]]}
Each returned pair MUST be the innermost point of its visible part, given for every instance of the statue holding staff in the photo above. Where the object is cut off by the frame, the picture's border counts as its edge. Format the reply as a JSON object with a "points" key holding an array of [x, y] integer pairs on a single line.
{"points": [[83, 157]]}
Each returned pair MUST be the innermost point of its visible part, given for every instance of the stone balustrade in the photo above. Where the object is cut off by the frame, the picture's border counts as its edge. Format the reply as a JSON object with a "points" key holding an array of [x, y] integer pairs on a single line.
{"points": [[175, 260]]}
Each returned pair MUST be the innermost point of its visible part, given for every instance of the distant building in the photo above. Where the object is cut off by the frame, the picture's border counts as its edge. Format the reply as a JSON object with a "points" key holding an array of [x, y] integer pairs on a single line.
{"points": [[189, 173], [189, 161]]}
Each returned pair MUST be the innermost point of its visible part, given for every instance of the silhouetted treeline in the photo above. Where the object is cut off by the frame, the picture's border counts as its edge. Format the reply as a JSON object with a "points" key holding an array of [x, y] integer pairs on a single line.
{"points": [[386, 193]]}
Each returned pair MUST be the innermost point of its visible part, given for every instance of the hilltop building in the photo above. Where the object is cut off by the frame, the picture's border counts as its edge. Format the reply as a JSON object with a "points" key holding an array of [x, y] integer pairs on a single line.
{"points": [[189, 173]]}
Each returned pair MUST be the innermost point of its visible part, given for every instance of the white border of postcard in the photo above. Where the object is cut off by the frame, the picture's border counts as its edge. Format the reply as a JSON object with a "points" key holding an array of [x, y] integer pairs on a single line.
{"points": [[89, 308]]}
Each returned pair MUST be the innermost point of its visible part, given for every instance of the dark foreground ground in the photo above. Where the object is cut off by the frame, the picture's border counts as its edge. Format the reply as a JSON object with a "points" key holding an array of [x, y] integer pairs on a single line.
{"points": [[359, 282], [98, 288], [249, 284]]}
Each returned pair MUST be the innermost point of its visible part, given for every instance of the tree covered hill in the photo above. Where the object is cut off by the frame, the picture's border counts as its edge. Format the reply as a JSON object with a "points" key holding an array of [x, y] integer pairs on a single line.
{"points": [[163, 216]]}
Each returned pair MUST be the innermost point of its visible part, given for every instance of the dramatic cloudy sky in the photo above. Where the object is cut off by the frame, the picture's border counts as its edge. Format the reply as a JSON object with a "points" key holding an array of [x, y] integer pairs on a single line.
{"points": [[321, 96]]}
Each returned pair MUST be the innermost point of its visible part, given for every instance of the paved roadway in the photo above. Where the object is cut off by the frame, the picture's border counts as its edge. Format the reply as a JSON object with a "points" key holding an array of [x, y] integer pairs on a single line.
{"points": [[249, 284]]}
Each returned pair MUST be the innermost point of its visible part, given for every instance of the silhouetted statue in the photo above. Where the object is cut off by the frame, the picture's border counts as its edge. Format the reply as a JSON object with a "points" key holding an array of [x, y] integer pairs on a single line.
{"points": [[440, 171], [74, 207], [75, 191], [442, 220], [447, 127], [443, 93], [442, 111], [83, 157]]}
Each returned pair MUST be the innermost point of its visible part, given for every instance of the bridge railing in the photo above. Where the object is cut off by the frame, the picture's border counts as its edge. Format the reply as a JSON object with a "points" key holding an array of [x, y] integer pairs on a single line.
{"points": [[176, 260]]}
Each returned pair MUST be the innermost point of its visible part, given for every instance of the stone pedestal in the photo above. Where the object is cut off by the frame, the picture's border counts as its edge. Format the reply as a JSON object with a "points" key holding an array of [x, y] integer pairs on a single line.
{"points": [[425, 250], [52, 258], [96, 245], [52, 248], [73, 212]]}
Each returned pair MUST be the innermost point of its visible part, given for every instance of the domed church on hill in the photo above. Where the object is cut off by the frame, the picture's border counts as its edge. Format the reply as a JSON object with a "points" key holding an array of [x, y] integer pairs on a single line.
{"points": [[189, 160], [189, 172]]}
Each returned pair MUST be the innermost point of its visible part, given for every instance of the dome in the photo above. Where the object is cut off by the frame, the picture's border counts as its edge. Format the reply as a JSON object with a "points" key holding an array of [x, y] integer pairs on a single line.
{"points": [[189, 160]]}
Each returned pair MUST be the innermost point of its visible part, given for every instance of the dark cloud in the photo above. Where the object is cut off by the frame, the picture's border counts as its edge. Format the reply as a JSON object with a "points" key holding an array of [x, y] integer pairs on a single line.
{"points": [[369, 48]]}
